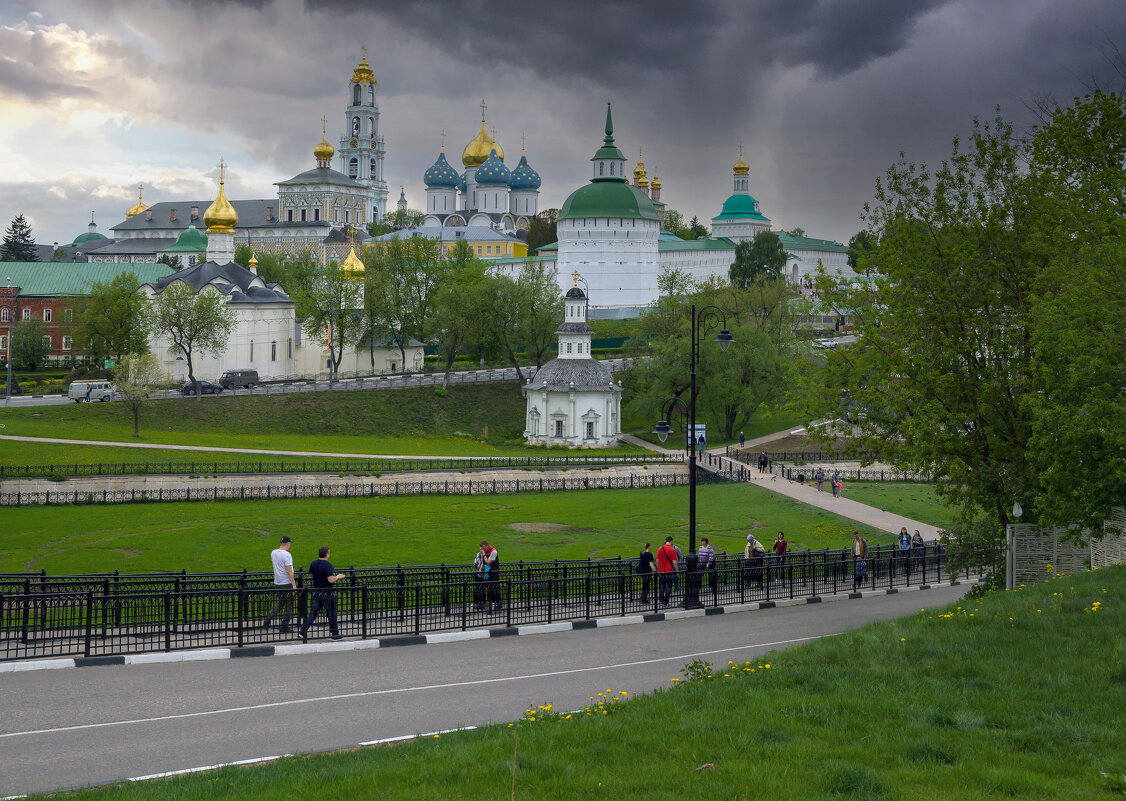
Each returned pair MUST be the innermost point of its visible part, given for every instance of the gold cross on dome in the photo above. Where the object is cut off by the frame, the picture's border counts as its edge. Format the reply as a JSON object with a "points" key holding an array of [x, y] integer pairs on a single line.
{"points": [[140, 190], [364, 50], [494, 134], [443, 140], [575, 275], [222, 165], [740, 150], [483, 107], [324, 126], [523, 144]]}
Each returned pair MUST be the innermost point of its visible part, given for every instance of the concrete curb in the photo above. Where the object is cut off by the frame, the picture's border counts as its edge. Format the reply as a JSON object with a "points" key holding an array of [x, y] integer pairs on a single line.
{"points": [[303, 649]]}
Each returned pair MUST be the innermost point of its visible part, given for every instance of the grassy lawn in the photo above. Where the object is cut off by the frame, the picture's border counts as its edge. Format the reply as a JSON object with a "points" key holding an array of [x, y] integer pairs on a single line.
{"points": [[916, 501], [961, 703], [473, 420], [408, 530]]}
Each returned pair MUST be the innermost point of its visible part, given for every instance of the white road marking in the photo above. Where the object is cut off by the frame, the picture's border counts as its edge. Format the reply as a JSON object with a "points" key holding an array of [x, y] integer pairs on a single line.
{"points": [[400, 690]]}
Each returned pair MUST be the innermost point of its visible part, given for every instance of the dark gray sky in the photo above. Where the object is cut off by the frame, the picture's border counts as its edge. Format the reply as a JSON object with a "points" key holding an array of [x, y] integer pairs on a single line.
{"points": [[98, 97]]}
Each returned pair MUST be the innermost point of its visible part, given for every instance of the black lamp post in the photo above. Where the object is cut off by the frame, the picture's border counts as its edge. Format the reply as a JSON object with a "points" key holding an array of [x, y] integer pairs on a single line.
{"points": [[724, 338], [8, 354]]}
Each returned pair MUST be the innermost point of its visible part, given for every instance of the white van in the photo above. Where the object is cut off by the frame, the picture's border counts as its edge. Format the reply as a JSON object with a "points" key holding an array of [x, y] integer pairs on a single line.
{"points": [[98, 391]]}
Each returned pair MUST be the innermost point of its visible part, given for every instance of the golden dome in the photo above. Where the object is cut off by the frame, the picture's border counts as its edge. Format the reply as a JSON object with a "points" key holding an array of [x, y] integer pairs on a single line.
{"points": [[220, 216], [639, 170], [363, 73], [478, 148], [741, 167], [656, 180], [323, 151], [352, 266], [253, 261], [139, 206]]}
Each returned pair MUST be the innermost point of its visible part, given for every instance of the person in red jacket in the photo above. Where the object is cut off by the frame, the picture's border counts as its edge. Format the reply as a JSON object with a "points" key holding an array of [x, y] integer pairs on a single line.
{"points": [[666, 570]]}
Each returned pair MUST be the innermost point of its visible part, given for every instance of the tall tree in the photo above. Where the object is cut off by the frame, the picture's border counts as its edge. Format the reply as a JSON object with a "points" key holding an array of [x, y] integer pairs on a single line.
{"points": [[461, 309], [30, 347], [18, 245], [540, 309], [697, 228], [194, 323], [405, 275], [503, 315], [333, 304], [135, 379], [860, 247], [115, 319], [542, 230], [763, 255], [169, 260]]}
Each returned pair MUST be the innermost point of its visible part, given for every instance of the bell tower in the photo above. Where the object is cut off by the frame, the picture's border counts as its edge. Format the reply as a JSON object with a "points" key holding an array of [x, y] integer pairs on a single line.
{"points": [[361, 148]]}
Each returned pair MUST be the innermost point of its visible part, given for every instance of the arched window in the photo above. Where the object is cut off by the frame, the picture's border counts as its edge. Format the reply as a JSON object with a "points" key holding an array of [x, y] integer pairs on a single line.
{"points": [[372, 173], [356, 95], [353, 168], [601, 165], [611, 168], [4, 314], [371, 126], [355, 126], [371, 98]]}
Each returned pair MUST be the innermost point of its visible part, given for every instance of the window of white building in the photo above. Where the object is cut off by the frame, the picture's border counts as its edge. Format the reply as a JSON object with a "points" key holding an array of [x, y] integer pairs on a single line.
{"points": [[273, 351], [252, 350], [590, 430], [558, 428], [568, 347]]}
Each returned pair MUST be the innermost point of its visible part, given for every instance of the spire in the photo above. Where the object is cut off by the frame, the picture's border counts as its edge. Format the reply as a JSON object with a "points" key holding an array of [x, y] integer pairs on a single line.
{"points": [[609, 140]]}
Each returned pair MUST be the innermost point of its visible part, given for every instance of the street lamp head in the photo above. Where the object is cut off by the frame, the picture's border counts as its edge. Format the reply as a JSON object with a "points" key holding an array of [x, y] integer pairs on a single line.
{"points": [[662, 430], [1017, 510], [724, 339]]}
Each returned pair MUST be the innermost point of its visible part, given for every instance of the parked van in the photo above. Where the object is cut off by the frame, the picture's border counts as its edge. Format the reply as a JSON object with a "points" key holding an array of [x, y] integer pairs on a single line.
{"points": [[232, 379], [98, 391]]}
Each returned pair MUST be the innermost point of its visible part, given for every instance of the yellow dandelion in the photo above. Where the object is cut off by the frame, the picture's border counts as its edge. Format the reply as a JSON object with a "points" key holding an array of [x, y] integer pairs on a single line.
{"points": [[767, 667], [622, 693], [675, 679]]}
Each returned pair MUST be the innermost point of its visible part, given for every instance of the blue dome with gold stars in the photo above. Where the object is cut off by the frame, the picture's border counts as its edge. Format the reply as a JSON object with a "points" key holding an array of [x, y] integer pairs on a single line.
{"points": [[441, 175], [493, 172], [461, 183], [524, 177]]}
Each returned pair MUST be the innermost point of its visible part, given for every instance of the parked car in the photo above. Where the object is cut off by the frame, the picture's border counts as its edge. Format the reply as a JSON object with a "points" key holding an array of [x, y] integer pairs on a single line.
{"points": [[205, 388], [90, 390], [826, 343], [232, 379]]}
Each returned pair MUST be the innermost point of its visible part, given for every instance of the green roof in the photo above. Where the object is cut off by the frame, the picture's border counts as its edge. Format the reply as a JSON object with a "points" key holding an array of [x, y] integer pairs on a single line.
{"points": [[86, 237], [46, 279], [608, 199], [719, 243], [551, 247], [791, 242], [740, 207], [190, 240]]}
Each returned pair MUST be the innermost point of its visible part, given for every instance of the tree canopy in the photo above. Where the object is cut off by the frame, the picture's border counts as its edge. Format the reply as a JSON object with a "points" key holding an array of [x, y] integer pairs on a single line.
{"points": [[115, 319], [762, 256], [542, 230], [18, 244], [30, 346], [195, 323]]}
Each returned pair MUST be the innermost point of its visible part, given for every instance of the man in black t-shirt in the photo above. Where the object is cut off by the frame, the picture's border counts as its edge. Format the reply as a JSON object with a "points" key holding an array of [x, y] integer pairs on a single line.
{"points": [[322, 596]]}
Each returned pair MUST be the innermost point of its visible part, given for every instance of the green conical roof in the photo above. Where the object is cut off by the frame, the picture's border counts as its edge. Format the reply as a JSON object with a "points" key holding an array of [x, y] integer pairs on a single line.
{"points": [[608, 150]]}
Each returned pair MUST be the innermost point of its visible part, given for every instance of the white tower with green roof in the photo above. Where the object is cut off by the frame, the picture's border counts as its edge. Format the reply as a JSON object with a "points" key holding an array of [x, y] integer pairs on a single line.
{"points": [[608, 231]]}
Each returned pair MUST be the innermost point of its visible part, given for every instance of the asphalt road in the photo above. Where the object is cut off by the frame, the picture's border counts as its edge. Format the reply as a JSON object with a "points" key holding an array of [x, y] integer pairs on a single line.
{"points": [[67, 728]]}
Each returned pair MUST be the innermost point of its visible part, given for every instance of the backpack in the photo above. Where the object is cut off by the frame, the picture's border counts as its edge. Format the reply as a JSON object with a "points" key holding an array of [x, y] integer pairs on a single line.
{"points": [[861, 568]]}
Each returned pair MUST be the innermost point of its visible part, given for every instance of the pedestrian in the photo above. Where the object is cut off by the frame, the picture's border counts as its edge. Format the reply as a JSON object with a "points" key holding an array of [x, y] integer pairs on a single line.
{"points": [[680, 566], [666, 570], [754, 554], [492, 575], [700, 443], [904, 549], [780, 548], [479, 578], [859, 546], [820, 480], [285, 586], [706, 563], [834, 482], [840, 488], [323, 596], [88, 390], [859, 559], [762, 462], [742, 439], [918, 549], [646, 565]]}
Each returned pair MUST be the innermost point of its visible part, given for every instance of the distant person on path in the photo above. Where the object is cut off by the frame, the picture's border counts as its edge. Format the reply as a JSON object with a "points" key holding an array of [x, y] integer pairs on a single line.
{"points": [[762, 462], [492, 575], [680, 566], [859, 560], [706, 563], [479, 578], [780, 548], [323, 596], [836, 483], [754, 553], [742, 439], [918, 547], [285, 586], [820, 480], [666, 570], [646, 566]]}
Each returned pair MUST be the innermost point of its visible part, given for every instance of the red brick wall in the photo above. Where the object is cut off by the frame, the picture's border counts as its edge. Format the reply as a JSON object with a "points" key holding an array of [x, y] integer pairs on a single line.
{"points": [[57, 328]]}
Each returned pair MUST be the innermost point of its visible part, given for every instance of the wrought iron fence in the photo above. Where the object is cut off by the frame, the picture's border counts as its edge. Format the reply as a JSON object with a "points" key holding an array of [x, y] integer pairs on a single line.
{"points": [[83, 619], [799, 471], [330, 465]]}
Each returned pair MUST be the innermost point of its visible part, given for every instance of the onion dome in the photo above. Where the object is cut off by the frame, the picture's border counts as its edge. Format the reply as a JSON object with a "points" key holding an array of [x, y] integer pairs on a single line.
{"points": [[139, 206], [220, 216], [478, 148], [640, 178], [524, 177], [656, 179], [461, 186], [190, 240], [352, 267], [253, 263], [441, 175], [323, 151], [493, 172], [741, 167]]}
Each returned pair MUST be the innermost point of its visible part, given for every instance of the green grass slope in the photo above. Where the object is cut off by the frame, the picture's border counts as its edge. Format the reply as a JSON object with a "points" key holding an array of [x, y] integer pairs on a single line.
{"points": [[1017, 695], [407, 530]]}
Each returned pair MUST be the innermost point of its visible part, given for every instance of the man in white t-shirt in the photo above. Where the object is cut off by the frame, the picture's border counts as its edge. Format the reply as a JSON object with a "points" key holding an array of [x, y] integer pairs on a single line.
{"points": [[285, 586]]}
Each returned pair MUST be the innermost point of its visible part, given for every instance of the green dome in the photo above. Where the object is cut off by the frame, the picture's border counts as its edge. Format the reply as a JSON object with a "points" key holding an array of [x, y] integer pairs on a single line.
{"points": [[608, 199], [191, 240], [87, 237], [739, 207]]}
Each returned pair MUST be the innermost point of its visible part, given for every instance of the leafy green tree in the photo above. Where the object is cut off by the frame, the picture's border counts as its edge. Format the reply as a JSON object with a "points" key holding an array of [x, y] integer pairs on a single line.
{"points": [[541, 309], [461, 310], [399, 220], [169, 260], [860, 247], [503, 315], [405, 276], [697, 228], [243, 254], [30, 347], [135, 379], [18, 244], [763, 255], [333, 304], [115, 319], [796, 232], [194, 323], [542, 230]]}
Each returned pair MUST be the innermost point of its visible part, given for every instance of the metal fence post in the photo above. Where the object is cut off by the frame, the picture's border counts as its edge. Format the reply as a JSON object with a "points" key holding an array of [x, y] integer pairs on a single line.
{"points": [[167, 621], [89, 622], [417, 609], [241, 616]]}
